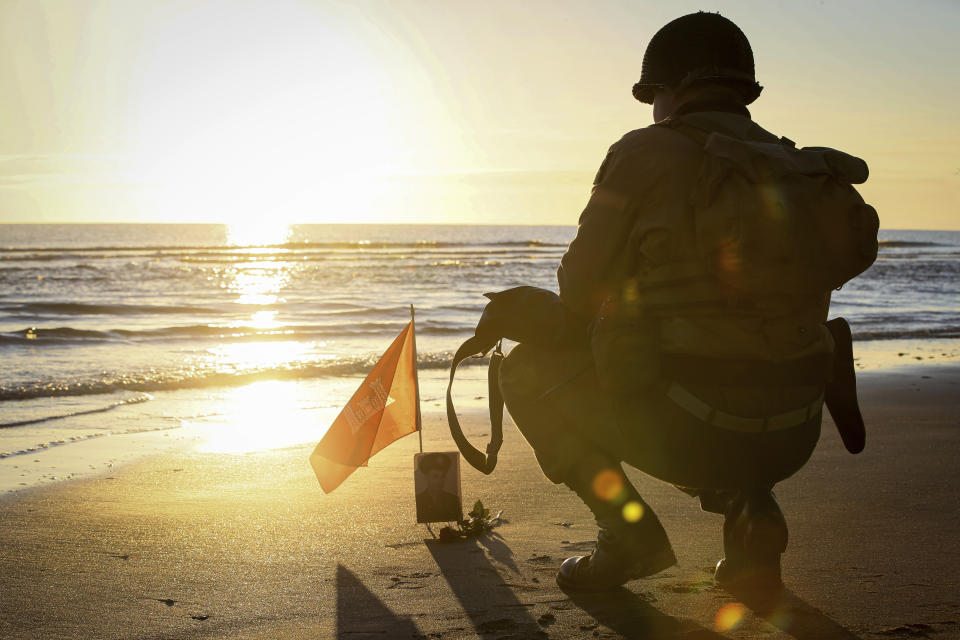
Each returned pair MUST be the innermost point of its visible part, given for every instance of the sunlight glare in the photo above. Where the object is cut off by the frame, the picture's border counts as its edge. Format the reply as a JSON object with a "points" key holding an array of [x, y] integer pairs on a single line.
{"points": [[264, 320], [244, 357], [265, 415]]}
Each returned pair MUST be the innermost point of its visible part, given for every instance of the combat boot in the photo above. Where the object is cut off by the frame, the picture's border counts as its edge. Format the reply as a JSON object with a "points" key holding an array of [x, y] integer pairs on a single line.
{"points": [[624, 552], [754, 537]]}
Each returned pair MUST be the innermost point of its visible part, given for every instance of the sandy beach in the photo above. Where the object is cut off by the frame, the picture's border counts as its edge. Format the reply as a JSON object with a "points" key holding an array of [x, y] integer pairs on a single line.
{"points": [[187, 544]]}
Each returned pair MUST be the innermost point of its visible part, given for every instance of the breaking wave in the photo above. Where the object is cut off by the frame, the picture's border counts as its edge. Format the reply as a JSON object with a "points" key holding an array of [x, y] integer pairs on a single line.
{"points": [[358, 245], [78, 309], [143, 397], [894, 244], [147, 381], [62, 336]]}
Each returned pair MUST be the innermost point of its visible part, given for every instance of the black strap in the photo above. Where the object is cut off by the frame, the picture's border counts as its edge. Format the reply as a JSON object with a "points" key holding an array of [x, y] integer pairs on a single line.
{"points": [[485, 463], [841, 392]]}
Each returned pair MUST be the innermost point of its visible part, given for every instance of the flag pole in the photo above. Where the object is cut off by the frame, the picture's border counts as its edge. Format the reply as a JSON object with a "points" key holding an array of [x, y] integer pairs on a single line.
{"points": [[416, 378]]}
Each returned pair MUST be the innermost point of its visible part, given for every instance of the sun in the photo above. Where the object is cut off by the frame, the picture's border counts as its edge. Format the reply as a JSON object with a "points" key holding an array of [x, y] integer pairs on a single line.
{"points": [[254, 232]]}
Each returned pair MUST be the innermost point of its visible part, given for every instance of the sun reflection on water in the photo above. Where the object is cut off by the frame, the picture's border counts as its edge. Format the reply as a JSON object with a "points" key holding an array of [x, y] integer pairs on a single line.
{"points": [[264, 320], [268, 414], [259, 283]]}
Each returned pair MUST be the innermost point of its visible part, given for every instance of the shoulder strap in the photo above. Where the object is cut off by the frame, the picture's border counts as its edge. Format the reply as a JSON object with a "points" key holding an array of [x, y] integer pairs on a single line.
{"points": [[697, 134], [485, 463], [700, 132]]}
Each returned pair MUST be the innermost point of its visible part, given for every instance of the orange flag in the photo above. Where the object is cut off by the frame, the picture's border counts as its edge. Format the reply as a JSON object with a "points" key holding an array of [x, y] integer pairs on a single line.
{"points": [[385, 408]]}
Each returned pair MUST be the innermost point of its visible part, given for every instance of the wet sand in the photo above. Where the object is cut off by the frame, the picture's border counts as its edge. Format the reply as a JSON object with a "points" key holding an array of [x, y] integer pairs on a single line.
{"points": [[204, 545]]}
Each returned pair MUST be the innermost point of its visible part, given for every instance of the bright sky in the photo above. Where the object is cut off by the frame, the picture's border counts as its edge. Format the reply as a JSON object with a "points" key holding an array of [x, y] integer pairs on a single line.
{"points": [[432, 111]]}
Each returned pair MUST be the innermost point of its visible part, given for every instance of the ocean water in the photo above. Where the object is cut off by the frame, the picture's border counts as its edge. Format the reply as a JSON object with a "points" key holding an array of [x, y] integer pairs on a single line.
{"points": [[97, 320]]}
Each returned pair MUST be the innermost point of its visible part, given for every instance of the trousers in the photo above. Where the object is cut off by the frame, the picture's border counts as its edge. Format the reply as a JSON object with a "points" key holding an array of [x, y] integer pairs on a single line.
{"points": [[557, 403]]}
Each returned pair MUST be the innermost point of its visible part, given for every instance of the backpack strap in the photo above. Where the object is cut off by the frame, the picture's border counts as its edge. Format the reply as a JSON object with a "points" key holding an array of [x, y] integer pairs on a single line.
{"points": [[485, 463], [700, 132], [697, 134]]}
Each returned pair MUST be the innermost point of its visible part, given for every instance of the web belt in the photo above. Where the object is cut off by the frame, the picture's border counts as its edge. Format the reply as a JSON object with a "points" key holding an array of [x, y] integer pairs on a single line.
{"points": [[714, 417]]}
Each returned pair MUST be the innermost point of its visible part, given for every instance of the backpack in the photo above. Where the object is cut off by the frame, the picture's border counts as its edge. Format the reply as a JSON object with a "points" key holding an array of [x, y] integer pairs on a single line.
{"points": [[771, 218]]}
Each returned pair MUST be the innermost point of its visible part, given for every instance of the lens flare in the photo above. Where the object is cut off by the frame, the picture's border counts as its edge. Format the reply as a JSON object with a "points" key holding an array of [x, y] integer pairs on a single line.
{"points": [[729, 617], [730, 260], [608, 485], [772, 202], [781, 617], [632, 511]]}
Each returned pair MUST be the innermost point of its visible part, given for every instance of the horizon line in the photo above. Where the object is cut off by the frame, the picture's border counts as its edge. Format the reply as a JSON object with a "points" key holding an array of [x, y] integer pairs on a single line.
{"points": [[355, 224]]}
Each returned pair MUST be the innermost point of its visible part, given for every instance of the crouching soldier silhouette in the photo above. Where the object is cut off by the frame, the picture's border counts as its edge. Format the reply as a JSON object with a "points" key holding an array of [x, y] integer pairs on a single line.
{"points": [[703, 266]]}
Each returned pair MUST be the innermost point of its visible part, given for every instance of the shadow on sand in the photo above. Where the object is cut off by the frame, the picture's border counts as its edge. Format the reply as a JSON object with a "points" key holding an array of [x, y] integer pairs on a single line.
{"points": [[489, 602], [492, 606], [494, 544], [369, 615], [632, 617], [791, 614]]}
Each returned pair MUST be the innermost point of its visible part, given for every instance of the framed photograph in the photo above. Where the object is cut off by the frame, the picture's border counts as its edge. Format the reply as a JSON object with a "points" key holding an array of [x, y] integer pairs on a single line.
{"points": [[436, 479]]}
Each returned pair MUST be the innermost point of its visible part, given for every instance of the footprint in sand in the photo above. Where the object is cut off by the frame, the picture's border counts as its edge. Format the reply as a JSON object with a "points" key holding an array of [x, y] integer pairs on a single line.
{"points": [[398, 545], [689, 587], [399, 583], [547, 619], [500, 624], [908, 631], [519, 586]]}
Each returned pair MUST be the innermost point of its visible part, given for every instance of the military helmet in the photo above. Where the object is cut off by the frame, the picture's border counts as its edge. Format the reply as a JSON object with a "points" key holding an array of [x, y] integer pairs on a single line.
{"points": [[695, 48]]}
